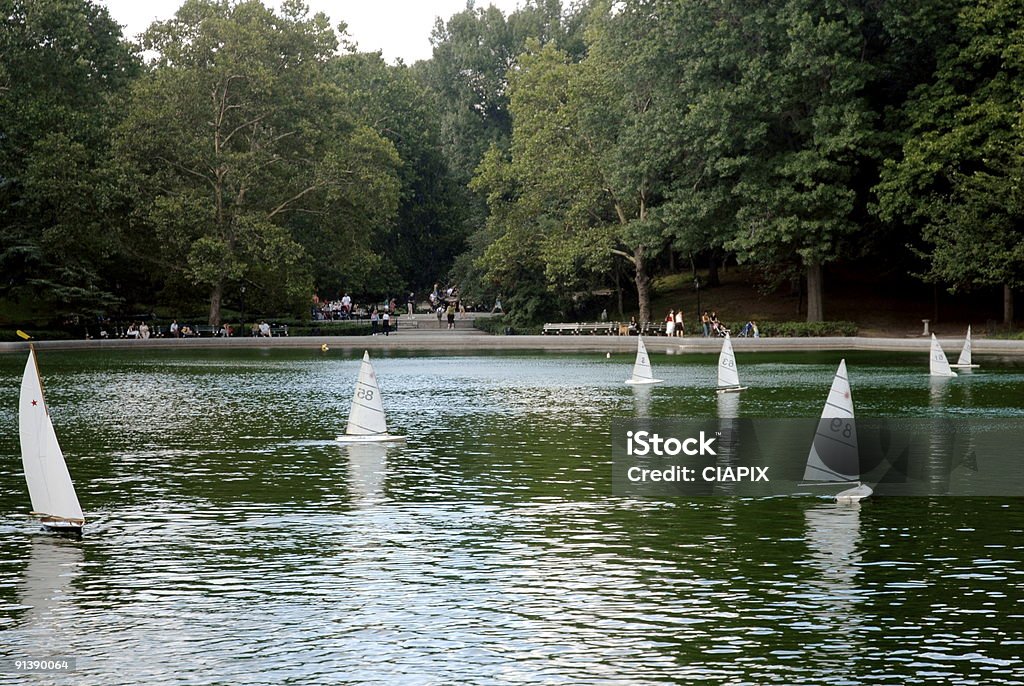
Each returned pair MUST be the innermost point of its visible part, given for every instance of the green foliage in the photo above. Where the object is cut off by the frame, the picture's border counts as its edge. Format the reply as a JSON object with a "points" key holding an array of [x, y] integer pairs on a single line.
{"points": [[959, 178], [429, 229], [500, 326], [537, 156], [243, 157], [62, 67]]}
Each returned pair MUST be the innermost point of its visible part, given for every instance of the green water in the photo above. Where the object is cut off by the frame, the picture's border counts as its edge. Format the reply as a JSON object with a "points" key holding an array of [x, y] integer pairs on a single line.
{"points": [[232, 540]]}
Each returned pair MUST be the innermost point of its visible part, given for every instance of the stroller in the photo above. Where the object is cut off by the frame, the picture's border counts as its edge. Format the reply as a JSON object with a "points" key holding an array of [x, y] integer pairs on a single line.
{"points": [[749, 330], [718, 329]]}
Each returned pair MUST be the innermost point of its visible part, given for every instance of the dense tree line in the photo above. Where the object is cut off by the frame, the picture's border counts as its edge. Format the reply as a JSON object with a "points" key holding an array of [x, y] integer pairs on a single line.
{"points": [[239, 152]]}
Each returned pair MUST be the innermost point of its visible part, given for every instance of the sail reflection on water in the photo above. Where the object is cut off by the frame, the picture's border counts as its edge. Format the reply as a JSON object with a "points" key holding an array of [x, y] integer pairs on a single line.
{"points": [[641, 400], [46, 592], [728, 407], [367, 472], [835, 588]]}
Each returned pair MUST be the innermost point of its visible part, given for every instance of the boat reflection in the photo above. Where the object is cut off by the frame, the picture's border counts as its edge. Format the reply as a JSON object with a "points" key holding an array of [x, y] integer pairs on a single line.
{"points": [[641, 400], [45, 589], [367, 472], [833, 540]]}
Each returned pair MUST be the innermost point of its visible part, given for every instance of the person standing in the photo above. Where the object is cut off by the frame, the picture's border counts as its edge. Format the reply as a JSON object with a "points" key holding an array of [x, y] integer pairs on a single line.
{"points": [[440, 313], [374, 320], [670, 324], [679, 323], [174, 328], [705, 324], [386, 321], [410, 303], [451, 315]]}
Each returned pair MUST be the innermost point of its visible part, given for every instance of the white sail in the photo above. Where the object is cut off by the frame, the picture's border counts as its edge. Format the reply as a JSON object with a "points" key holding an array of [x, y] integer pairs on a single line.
{"points": [[938, 364], [366, 418], [642, 373], [834, 455], [964, 361], [965, 352], [728, 376], [49, 483]]}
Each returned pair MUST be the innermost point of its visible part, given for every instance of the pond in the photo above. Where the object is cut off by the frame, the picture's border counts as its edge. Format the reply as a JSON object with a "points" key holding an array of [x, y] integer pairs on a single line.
{"points": [[231, 539]]}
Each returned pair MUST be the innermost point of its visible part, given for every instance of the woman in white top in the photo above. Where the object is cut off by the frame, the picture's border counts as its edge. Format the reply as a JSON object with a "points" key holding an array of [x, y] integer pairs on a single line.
{"points": [[670, 324]]}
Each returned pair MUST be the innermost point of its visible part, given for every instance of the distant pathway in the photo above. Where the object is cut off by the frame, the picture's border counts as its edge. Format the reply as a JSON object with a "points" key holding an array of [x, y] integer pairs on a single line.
{"points": [[463, 341]]}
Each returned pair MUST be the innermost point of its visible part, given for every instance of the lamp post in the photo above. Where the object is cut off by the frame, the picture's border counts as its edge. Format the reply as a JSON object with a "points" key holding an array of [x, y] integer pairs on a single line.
{"points": [[242, 325], [696, 285]]}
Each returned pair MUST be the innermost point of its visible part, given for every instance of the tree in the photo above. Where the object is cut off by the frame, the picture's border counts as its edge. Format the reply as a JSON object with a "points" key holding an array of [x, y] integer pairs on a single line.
{"points": [[234, 139], [63, 67], [959, 177], [429, 229], [592, 151], [807, 131], [475, 52]]}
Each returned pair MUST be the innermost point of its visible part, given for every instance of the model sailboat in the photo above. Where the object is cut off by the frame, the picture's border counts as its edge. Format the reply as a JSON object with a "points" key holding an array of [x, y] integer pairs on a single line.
{"points": [[366, 422], [938, 364], [834, 456], [964, 362], [642, 367], [49, 484], [728, 376]]}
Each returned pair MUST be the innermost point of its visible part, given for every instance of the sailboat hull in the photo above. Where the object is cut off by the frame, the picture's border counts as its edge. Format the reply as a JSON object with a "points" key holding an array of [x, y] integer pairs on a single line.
{"points": [[370, 438], [643, 382], [854, 495], [731, 389], [965, 366]]}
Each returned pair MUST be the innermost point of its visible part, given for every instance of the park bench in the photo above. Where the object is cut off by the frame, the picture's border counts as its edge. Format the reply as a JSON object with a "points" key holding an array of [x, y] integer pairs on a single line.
{"points": [[597, 328], [560, 329]]}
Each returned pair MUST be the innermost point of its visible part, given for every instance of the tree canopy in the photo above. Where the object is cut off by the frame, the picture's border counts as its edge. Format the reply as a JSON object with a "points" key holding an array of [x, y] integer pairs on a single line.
{"points": [[541, 155]]}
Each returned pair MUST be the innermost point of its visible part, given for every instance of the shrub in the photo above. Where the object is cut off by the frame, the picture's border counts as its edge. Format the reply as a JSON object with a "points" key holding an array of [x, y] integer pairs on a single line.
{"points": [[800, 329], [503, 324]]}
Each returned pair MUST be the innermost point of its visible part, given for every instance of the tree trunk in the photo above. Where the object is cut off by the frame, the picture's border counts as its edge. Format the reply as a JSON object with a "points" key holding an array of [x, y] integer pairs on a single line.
{"points": [[643, 285], [618, 288], [713, 281], [215, 298], [1007, 305], [814, 292]]}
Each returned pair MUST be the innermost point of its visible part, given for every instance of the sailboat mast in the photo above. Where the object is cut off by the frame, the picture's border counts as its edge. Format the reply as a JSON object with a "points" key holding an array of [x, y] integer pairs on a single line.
{"points": [[42, 391]]}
